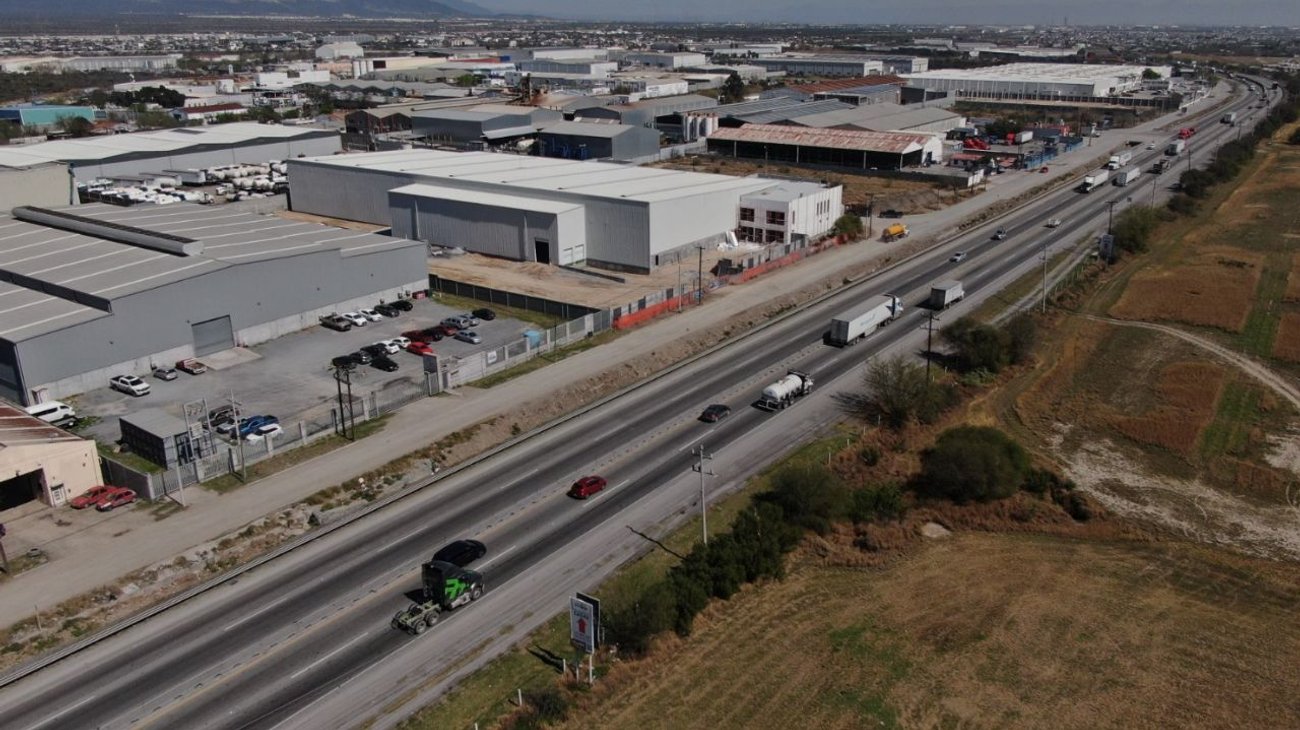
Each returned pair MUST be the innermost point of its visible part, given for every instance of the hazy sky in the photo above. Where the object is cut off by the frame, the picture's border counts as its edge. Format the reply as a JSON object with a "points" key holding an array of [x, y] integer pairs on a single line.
{"points": [[991, 12]]}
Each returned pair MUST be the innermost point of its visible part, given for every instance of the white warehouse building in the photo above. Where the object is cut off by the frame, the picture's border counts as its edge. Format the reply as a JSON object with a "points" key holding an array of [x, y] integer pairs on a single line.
{"points": [[527, 208], [1036, 80]]}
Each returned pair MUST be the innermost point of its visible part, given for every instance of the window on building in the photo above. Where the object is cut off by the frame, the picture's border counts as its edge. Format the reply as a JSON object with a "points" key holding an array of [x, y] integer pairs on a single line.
{"points": [[747, 214], [774, 236], [775, 218]]}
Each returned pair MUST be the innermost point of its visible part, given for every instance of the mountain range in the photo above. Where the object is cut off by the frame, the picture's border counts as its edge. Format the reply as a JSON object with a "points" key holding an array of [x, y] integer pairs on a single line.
{"points": [[252, 8]]}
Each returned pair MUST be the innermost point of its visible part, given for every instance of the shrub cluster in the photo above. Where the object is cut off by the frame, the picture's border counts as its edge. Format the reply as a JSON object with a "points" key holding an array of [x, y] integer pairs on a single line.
{"points": [[978, 346]]}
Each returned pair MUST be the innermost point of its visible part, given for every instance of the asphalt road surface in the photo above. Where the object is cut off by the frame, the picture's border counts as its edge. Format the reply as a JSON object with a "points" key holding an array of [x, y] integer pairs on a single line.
{"points": [[271, 646]]}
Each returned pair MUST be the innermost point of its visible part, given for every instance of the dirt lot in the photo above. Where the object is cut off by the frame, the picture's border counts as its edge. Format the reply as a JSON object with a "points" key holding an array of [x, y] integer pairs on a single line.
{"points": [[908, 196], [984, 630]]}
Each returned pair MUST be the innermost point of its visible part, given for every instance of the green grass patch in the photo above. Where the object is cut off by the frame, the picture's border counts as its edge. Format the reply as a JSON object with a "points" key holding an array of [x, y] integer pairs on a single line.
{"points": [[541, 361], [267, 467], [540, 319], [1261, 326], [126, 458], [488, 694]]}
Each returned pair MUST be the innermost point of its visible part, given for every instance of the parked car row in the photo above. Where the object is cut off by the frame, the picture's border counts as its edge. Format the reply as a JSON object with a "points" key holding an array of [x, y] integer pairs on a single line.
{"points": [[250, 428], [416, 341], [136, 386], [103, 498], [346, 321]]}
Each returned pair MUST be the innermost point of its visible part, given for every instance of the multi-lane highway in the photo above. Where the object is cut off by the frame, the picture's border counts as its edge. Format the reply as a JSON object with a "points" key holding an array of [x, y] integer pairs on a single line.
{"points": [[268, 647]]}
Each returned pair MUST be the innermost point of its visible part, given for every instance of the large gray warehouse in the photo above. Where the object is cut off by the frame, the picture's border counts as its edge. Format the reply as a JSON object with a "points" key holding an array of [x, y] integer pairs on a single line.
{"points": [[526, 208], [94, 291]]}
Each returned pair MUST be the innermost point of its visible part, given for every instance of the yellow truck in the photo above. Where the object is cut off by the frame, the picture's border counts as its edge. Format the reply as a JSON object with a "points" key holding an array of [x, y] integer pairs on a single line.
{"points": [[894, 232]]}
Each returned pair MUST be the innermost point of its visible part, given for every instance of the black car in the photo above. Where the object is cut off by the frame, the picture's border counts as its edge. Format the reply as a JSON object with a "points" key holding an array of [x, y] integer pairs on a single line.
{"points": [[343, 361], [387, 310], [891, 213], [375, 350], [485, 314], [402, 305], [435, 334], [385, 363], [461, 552], [361, 357], [715, 413]]}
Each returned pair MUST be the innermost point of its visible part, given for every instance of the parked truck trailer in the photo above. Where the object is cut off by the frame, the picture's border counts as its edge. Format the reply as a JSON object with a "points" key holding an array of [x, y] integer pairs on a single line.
{"points": [[945, 294], [1094, 180], [787, 390], [855, 325], [446, 587]]}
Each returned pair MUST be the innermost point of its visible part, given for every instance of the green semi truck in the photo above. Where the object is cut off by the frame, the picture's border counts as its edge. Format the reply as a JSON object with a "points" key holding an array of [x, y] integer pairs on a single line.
{"points": [[446, 587]]}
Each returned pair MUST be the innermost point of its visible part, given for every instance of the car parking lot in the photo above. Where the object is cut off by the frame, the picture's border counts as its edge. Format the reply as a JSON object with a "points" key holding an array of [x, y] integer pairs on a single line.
{"points": [[291, 377]]}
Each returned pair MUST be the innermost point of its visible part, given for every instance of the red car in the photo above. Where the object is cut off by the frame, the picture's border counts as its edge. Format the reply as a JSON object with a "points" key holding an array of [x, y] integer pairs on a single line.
{"points": [[417, 336], [92, 496], [419, 348], [118, 497], [587, 486]]}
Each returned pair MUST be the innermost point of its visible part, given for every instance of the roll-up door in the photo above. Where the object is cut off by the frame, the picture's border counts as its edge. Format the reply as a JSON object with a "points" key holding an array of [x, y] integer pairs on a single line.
{"points": [[213, 335]]}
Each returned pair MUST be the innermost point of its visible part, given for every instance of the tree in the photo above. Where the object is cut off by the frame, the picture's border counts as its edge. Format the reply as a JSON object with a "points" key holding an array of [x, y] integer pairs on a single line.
{"points": [[733, 88], [1133, 228], [978, 346], [1022, 332], [76, 126], [973, 463], [653, 612], [849, 226], [1150, 74], [810, 496], [896, 390], [466, 80]]}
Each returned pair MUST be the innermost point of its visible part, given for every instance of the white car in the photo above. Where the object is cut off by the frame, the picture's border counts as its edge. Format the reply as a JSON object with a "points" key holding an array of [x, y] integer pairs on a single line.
{"points": [[400, 343], [129, 384], [389, 346], [370, 314], [1151, 145], [958, 257], [1053, 222], [469, 317], [270, 430], [356, 319]]}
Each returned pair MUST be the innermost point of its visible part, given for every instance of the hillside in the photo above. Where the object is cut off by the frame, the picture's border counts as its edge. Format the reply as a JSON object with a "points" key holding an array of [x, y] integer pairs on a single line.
{"points": [[252, 8]]}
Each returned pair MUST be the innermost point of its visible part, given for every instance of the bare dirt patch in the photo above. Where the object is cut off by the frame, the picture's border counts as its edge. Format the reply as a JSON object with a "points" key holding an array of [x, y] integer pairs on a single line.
{"points": [[1287, 344], [1214, 288], [1293, 278]]}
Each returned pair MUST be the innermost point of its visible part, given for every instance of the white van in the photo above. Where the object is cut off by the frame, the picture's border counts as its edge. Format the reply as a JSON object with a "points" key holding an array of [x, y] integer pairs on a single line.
{"points": [[52, 411]]}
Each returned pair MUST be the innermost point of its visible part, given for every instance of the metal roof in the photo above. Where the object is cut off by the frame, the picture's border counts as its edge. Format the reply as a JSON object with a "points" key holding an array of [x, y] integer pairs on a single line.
{"points": [[172, 140], [794, 111], [844, 139], [73, 274], [505, 132], [590, 179], [156, 421], [515, 202], [878, 117], [787, 190], [18, 428], [588, 129]]}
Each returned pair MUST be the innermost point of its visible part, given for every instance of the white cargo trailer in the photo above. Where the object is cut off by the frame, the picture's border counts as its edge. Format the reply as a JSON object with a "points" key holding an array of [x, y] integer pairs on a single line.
{"points": [[856, 324], [1127, 175], [945, 294]]}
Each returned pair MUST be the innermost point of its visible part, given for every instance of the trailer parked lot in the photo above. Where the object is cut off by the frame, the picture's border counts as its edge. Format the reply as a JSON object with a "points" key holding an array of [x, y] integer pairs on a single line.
{"points": [[291, 377]]}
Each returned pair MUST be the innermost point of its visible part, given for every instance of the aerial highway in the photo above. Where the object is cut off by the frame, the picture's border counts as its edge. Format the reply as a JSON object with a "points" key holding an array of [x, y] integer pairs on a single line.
{"points": [[280, 644]]}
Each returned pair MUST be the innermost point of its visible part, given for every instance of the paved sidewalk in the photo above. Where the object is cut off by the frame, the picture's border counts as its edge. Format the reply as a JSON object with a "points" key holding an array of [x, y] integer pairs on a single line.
{"points": [[90, 550]]}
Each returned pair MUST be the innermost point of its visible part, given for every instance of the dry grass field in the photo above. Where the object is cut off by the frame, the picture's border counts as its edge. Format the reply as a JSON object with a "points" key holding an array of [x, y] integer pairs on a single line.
{"points": [[1188, 393], [984, 630], [1287, 345], [1215, 288], [1293, 279]]}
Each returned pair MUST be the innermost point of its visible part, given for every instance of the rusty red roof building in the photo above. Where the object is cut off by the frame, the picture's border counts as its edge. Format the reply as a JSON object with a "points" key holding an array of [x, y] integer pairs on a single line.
{"points": [[835, 147]]}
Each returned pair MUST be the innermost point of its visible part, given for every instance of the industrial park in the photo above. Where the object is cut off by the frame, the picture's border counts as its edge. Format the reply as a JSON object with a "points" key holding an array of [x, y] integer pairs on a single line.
{"points": [[869, 344]]}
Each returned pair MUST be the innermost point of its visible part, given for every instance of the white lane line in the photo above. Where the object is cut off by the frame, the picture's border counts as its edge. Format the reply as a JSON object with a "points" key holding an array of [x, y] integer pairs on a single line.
{"points": [[64, 711], [407, 536], [501, 554], [250, 616], [308, 668], [698, 439]]}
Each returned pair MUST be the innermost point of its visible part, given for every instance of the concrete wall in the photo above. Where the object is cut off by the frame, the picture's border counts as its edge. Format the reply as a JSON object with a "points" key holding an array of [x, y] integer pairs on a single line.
{"points": [[41, 185], [70, 467], [484, 228]]}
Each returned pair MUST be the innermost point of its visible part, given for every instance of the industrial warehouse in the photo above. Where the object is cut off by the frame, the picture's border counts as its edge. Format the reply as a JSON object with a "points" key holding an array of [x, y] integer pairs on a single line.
{"points": [[96, 291], [1047, 81], [172, 149], [845, 148], [527, 208]]}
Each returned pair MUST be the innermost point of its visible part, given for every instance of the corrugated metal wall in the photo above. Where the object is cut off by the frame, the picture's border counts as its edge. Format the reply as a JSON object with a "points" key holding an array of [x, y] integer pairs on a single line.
{"points": [[352, 194], [254, 153], [43, 185]]}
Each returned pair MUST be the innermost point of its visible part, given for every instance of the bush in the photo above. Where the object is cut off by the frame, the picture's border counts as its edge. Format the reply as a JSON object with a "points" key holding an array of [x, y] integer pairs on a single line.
{"points": [[1182, 204], [973, 463], [878, 503], [1022, 332], [1294, 138], [809, 496], [848, 225], [978, 346], [896, 391], [869, 455], [545, 706], [1133, 229], [654, 612]]}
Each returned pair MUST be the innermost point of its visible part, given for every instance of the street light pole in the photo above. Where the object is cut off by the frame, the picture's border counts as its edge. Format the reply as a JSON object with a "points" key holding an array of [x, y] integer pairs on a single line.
{"points": [[1110, 218], [1044, 306], [703, 472]]}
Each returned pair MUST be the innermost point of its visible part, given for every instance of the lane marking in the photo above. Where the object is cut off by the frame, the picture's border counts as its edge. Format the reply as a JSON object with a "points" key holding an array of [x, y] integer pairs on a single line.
{"points": [[65, 711], [308, 668], [501, 554], [255, 614]]}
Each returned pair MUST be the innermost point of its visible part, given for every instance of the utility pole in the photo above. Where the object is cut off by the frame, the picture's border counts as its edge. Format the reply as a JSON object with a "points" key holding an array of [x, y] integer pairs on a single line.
{"points": [[871, 213], [1154, 180], [681, 294], [700, 469], [1044, 305], [239, 437], [929, 344], [1189, 158], [1110, 219], [347, 425], [699, 281]]}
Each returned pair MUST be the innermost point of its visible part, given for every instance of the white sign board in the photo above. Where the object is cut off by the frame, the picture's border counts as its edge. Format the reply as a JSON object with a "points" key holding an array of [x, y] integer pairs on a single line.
{"points": [[582, 625]]}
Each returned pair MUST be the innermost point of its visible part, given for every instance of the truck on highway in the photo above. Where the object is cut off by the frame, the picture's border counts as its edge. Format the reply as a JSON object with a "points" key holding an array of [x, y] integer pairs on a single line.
{"points": [[1094, 180], [793, 386], [1161, 165], [1175, 148], [1228, 118], [945, 294], [1126, 176], [446, 587], [894, 232], [853, 326], [1186, 132], [1119, 160]]}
